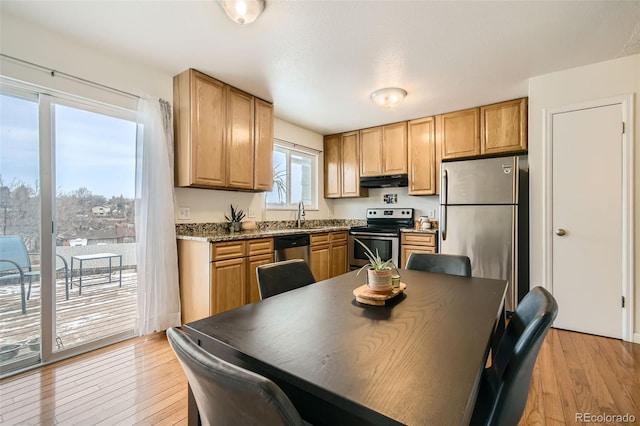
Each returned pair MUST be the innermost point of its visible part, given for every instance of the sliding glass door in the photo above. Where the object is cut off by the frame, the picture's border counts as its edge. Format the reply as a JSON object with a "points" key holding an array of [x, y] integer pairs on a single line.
{"points": [[20, 243], [67, 183]]}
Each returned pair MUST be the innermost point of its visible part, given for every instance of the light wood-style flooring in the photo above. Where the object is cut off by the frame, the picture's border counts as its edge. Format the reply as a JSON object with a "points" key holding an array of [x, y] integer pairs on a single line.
{"points": [[140, 382]]}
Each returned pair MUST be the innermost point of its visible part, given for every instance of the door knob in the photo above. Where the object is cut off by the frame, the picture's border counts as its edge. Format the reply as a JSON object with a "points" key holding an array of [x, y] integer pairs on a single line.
{"points": [[561, 232]]}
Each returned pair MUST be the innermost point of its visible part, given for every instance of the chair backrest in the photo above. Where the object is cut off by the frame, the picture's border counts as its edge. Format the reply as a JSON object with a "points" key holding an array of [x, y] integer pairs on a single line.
{"points": [[12, 248], [509, 377], [440, 263], [279, 277], [227, 394]]}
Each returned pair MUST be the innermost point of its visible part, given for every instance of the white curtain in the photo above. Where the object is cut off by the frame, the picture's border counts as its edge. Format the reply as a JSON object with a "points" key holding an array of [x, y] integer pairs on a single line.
{"points": [[157, 258]]}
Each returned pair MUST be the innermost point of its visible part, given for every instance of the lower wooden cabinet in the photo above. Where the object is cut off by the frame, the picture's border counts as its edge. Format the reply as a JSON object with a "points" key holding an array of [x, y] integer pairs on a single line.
{"points": [[328, 257], [416, 243], [217, 277]]}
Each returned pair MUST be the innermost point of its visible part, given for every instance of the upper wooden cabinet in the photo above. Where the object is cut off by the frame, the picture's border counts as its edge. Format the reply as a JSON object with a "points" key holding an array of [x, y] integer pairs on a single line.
{"points": [[458, 133], [422, 161], [489, 130], [503, 127], [217, 128], [383, 150], [342, 166], [371, 151], [263, 174]]}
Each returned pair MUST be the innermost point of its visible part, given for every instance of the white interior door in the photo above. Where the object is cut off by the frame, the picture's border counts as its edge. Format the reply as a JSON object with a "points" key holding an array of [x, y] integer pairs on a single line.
{"points": [[587, 182]]}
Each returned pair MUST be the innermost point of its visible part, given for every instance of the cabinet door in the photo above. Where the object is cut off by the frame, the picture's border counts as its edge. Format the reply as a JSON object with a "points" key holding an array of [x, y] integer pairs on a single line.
{"points": [[459, 133], [193, 272], [338, 259], [406, 251], [229, 284], [253, 293], [504, 127], [240, 143], [199, 130], [332, 167], [394, 149], [371, 152], [319, 262], [350, 165], [263, 175], [422, 163]]}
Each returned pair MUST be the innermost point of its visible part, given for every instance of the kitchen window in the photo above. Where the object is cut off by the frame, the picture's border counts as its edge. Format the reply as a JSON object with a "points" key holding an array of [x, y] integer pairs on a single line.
{"points": [[295, 177]]}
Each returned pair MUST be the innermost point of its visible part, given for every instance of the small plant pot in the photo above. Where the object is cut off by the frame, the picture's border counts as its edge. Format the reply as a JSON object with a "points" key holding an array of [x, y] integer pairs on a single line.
{"points": [[380, 280]]}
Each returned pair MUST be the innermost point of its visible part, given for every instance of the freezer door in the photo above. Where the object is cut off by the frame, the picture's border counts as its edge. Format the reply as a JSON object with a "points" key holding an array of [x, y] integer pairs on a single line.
{"points": [[484, 181], [487, 235]]}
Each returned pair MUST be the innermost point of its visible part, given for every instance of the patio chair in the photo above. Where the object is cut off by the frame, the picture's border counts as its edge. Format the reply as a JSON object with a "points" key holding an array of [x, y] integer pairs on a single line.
{"points": [[15, 263]]}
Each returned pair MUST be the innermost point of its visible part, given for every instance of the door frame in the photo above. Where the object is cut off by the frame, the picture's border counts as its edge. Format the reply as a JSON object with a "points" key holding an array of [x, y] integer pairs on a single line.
{"points": [[627, 105]]}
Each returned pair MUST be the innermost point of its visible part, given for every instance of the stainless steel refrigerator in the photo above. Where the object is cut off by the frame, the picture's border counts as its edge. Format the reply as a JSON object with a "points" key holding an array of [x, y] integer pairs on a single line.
{"points": [[484, 215]]}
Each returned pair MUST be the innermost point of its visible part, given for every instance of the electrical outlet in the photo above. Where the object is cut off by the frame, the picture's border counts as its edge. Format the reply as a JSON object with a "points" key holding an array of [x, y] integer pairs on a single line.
{"points": [[431, 214], [184, 213], [251, 213]]}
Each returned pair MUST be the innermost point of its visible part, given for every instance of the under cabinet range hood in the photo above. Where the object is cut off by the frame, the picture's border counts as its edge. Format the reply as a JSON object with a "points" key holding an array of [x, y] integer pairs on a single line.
{"points": [[384, 181]]}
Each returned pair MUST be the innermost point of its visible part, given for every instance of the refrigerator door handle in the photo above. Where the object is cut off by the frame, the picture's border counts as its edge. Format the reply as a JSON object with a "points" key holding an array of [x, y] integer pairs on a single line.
{"points": [[443, 219], [444, 187]]}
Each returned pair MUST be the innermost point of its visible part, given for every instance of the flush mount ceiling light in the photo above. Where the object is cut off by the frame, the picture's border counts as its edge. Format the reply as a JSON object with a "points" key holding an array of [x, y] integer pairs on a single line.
{"points": [[388, 97], [243, 11]]}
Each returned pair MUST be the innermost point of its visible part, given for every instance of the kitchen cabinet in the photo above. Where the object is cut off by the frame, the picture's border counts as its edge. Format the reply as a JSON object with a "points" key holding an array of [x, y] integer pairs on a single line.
{"points": [[217, 277], [503, 127], [328, 254], [489, 130], [413, 242], [263, 174], [383, 150], [342, 166], [222, 135], [458, 133], [423, 168]]}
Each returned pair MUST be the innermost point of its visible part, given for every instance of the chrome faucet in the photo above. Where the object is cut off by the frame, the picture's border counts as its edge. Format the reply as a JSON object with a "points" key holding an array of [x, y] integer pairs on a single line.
{"points": [[300, 216]]}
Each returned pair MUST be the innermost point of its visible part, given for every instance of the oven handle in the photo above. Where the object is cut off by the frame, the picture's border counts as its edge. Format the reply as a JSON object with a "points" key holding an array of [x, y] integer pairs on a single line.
{"points": [[372, 234]]}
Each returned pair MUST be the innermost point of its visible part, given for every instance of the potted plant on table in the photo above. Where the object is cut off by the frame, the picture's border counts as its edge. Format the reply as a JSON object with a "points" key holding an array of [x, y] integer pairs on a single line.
{"points": [[235, 218], [379, 272]]}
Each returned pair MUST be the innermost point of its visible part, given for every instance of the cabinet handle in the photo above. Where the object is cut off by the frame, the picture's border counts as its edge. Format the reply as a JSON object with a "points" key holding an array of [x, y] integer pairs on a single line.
{"points": [[561, 232]]}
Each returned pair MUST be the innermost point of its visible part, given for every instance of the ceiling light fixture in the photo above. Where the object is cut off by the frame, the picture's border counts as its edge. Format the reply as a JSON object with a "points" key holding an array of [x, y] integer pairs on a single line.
{"points": [[388, 97], [243, 11]]}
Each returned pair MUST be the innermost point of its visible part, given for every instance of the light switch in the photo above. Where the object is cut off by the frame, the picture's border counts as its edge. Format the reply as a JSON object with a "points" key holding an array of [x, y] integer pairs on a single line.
{"points": [[184, 213]]}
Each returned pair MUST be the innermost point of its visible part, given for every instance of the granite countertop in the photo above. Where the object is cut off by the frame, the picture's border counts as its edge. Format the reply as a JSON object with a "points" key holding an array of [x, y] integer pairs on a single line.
{"points": [[218, 232], [420, 231]]}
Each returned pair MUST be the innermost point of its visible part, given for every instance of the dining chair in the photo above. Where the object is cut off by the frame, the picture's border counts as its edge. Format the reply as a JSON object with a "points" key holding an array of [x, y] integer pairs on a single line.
{"points": [[15, 263], [504, 385], [279, 277], [227, 394], [440, 263]]}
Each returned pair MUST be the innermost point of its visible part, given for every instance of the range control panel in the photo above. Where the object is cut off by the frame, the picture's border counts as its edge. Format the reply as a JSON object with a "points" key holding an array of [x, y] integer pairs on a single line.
{"points": [[384, 213]]}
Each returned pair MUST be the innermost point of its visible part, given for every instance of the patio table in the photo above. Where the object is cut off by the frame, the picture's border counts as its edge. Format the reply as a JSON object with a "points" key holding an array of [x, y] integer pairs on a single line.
{"points": [[96, 256]]}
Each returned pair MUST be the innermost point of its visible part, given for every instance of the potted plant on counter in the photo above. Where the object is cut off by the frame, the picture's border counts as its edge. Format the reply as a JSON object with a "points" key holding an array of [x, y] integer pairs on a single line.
{"points": [[379, 272], [235, 219]]}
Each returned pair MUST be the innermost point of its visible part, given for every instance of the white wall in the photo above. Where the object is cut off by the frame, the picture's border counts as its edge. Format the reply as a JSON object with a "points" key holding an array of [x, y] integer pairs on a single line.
{"points": [[31, 43], [592, 82]]}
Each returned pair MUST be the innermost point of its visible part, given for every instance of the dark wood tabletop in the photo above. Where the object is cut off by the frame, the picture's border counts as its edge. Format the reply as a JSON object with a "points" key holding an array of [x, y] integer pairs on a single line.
{"points": [[415, 361]]}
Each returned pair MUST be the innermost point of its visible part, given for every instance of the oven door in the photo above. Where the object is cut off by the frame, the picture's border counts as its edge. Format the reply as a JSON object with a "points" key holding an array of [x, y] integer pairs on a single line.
{"points": [[387, 244]]}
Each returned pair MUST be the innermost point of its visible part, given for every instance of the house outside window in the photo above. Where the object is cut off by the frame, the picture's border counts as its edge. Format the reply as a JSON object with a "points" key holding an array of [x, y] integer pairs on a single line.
{"points": [[295, 172]]}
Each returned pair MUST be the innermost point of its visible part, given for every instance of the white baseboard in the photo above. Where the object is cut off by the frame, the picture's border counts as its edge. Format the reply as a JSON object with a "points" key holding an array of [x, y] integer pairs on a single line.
{"points": [[636, 338]]}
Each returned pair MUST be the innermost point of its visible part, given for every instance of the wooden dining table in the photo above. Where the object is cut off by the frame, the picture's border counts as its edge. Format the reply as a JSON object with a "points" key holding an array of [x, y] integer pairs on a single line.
{"points": [[415, 361]]}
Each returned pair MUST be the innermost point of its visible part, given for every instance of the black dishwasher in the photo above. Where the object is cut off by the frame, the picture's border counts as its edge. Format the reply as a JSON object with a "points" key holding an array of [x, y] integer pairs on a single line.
{"points": [[292, 247]]}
